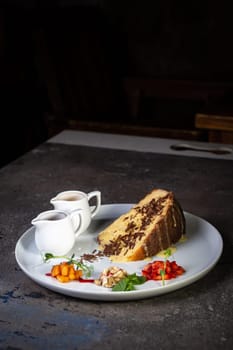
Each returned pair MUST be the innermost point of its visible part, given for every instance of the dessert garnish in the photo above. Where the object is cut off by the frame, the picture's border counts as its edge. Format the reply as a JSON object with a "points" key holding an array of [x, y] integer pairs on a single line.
{"points": [[66, 268], [161, 270], [118, 279], [114, 277], [128, 283], [91, 257], [110, 276], [66, 272]]}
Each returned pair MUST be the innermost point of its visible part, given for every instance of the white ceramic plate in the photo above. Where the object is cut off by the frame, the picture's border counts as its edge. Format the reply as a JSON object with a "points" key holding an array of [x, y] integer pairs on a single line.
{"points": [[198, 255]]}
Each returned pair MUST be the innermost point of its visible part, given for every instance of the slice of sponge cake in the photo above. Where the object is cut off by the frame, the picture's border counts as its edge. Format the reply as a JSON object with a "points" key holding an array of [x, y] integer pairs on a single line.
{"points": [[152, 225]]}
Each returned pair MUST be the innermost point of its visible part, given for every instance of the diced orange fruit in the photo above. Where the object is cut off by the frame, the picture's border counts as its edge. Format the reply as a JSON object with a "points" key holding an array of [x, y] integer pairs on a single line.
{"points": [[65, 272]]}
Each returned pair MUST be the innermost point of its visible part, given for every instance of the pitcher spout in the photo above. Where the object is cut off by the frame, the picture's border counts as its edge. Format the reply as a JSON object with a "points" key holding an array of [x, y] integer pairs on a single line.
{"points": [[48, 216]]}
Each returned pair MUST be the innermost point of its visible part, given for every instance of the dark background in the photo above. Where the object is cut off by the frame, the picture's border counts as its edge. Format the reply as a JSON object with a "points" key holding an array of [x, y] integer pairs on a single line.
{"points": [[81, 64]]}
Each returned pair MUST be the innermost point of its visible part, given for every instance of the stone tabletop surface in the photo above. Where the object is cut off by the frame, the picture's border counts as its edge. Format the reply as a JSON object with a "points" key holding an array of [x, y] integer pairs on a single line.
{"points": [[196, 316]]}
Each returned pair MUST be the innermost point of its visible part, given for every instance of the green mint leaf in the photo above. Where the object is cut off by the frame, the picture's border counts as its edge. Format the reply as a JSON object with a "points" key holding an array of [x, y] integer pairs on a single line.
{"points": [[128, 283], [135, 279], [121, 285]]}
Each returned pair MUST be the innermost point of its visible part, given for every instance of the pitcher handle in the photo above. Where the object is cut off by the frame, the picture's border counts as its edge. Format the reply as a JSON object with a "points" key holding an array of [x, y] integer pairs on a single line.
{"points": [[76, 216], [95, 208]]}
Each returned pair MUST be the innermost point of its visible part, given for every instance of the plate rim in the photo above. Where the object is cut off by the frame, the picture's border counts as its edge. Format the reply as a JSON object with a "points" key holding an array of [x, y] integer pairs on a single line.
{"points": [[108, 295]]}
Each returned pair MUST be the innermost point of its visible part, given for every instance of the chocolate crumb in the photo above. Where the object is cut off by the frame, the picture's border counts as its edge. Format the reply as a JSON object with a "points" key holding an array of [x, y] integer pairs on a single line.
{"points": [[127, 241], [95, 255]]}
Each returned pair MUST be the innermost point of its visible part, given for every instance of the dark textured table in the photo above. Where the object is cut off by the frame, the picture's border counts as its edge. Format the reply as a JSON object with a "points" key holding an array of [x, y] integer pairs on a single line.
{"points": [[198, 316]]}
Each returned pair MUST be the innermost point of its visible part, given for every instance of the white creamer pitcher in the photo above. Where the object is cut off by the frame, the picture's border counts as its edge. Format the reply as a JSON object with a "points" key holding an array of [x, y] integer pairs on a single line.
{"points": [[70, 200], [56, 231]]}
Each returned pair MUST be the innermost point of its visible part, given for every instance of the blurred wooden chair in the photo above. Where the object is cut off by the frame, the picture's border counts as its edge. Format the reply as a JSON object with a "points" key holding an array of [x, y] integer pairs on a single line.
{"points": [[219, 127]]}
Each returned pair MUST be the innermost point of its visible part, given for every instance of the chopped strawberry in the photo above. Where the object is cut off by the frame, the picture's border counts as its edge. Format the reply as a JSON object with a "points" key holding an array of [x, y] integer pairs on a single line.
{"points": [[158, 270]]}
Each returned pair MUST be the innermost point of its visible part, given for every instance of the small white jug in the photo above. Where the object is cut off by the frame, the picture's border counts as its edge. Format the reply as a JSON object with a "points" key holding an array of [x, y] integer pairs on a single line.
{"points": [[70, 200], [56, 231]]}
